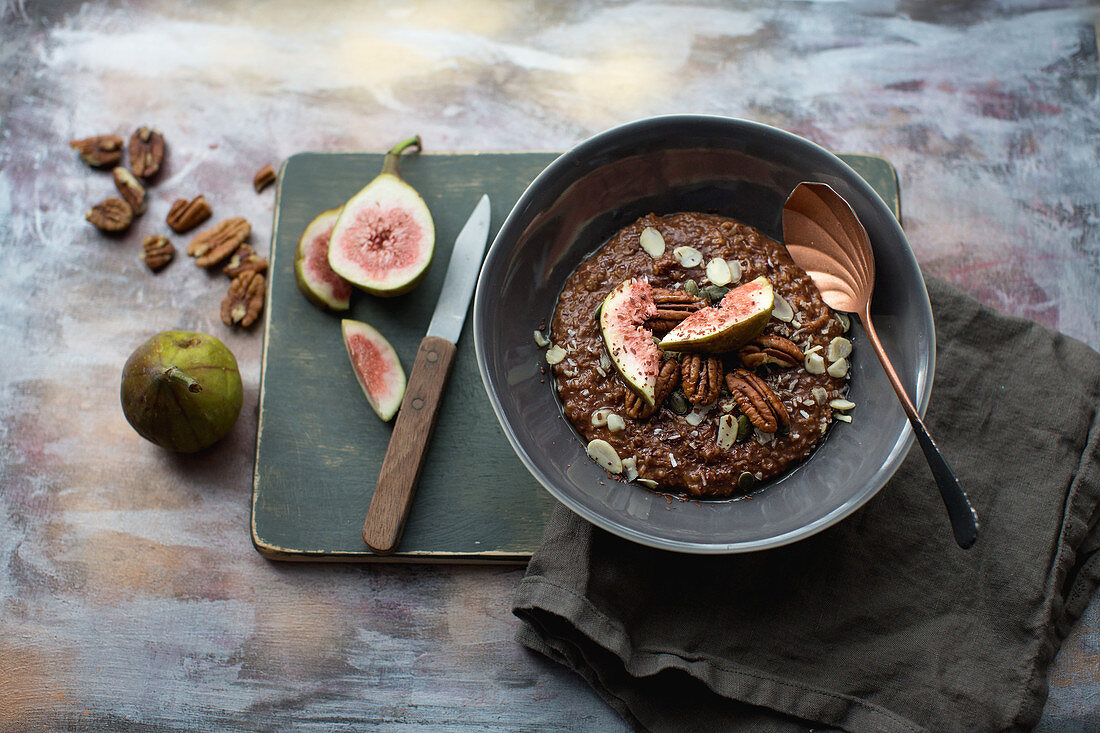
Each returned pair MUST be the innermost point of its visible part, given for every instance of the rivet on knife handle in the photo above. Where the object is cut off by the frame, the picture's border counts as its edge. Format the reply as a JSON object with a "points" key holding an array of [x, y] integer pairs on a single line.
{"points": [[389, 507]]}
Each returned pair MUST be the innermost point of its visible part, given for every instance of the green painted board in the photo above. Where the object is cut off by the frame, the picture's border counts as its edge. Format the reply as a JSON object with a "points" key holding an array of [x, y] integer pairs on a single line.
{"points": [[319, 445]]}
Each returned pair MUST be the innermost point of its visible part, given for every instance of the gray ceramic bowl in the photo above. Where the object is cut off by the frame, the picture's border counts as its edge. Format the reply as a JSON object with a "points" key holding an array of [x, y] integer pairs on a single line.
{"points": [[693, 163]]}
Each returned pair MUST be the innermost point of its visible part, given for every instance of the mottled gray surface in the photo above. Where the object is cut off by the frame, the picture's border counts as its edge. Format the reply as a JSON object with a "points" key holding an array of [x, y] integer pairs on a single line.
{"points": [[130, 596]]}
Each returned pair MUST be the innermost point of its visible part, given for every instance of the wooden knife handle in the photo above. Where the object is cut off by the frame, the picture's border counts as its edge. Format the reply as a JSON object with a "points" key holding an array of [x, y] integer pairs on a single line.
{"points": [[389, 507]]}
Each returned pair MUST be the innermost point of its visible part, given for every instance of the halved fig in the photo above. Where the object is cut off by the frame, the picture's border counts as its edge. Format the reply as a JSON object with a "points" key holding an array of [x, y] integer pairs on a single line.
{"points": [[376, 367], [629, 342], [384, 238], [737, 319], [315, 278]]}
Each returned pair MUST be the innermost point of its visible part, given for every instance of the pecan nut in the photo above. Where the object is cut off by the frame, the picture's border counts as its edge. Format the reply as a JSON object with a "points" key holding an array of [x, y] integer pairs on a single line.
{"points": [[673, 306], [244, 259], [110, 215], [701, 378], [130, 189], [775, 350], [668, 379], [146, 152], [244, 302], [214, 245], [100, 150], [157, 251], [263, 178], [186, 215], [756, 399]]}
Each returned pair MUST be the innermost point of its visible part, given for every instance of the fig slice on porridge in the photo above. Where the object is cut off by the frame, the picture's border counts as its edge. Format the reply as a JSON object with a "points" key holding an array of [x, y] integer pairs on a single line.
{"points": [[623, 317]]}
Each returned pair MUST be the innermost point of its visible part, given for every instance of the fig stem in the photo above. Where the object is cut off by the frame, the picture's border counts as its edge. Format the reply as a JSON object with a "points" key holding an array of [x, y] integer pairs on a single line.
{"points": [[178, 375], [389, 165]]}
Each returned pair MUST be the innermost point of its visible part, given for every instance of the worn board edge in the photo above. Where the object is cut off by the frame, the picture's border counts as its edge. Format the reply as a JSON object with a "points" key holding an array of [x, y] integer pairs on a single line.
{"points": [[862, 163]]}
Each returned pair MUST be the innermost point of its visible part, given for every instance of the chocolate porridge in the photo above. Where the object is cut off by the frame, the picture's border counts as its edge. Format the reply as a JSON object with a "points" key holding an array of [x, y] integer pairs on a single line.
{"points": [[723, 421]]}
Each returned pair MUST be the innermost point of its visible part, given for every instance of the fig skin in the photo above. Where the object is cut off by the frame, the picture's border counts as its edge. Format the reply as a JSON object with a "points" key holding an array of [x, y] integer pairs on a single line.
{"points": [[182, 390]]}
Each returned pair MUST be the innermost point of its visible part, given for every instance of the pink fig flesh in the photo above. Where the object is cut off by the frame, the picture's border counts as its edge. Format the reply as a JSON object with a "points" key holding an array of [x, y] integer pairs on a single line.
{"points": [[376, 366]]}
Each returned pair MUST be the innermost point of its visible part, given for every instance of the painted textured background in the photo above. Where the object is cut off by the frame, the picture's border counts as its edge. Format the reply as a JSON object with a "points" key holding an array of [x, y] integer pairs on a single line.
{"points": [[129, 591]]}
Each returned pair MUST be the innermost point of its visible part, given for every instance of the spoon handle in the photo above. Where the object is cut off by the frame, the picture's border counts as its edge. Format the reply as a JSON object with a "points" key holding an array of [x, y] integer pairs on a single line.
{"points": [[964, 520]]}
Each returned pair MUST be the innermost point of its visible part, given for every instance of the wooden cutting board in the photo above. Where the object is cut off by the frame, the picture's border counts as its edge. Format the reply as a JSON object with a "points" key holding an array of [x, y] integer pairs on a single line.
{"points": [[319, 445]]}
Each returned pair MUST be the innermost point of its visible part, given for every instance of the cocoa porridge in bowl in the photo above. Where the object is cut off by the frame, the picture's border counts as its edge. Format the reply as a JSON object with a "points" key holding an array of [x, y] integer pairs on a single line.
{"points": [[751, 368]]}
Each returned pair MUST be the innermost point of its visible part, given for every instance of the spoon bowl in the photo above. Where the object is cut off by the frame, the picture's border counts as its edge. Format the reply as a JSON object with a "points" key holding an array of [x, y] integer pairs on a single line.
{"points": [[826, 239]]}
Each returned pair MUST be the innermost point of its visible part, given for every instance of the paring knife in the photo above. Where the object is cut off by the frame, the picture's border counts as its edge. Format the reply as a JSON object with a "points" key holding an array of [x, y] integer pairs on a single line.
{"points": [[389, 507]]}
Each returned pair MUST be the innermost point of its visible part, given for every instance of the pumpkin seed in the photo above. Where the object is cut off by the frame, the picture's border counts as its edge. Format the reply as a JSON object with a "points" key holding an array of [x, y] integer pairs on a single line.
{"points": [[715, 293], [744, 427], [692, 287], [678, 403], [746, 481]]}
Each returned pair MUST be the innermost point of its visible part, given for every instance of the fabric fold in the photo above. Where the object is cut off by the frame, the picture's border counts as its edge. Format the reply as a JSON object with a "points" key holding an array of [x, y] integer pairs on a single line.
{"points": [[880, 622]]}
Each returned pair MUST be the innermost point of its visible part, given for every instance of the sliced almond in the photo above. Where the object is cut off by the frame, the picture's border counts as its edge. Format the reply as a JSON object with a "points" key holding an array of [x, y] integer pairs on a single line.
{"points": [[615, 422], [845, 320], [815, 364], [647, 482], [838, 368], [630, 468], [735, 270], [688, 256], [781, 309], [652, 242], [727, 432], [555, 354], [819, 395], [841, 404], [839, 348], [602, 453], [540, 340], [844, 418], [599, 417], [718, 272]]}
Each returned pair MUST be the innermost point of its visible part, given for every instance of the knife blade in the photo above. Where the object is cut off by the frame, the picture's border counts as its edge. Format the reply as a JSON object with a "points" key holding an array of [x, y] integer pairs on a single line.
{"points": [[400, 472]]}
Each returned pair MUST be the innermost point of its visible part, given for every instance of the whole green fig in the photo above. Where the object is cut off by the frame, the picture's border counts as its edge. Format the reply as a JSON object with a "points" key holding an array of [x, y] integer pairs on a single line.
{"points": [[182, 390]]}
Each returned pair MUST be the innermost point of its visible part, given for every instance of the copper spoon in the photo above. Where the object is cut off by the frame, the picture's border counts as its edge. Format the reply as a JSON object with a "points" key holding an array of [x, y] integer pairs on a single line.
{"points": [[827, 240]]}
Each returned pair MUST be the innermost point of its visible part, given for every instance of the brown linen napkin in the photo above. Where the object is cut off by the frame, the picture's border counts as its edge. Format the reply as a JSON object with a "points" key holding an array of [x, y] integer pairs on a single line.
{"points": [[880, 622]]}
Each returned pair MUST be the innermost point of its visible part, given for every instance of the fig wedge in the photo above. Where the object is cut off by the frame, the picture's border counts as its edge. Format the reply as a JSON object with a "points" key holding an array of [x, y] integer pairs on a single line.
{"points": [[315, 278], [376, 366]]}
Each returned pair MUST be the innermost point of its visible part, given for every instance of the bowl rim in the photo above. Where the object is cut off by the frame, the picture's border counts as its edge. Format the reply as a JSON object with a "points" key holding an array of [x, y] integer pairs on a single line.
{"points": [[878, 479]]}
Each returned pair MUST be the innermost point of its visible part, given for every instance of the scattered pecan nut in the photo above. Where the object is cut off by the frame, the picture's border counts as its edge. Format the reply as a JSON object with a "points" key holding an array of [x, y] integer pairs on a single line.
{"points": [[244, 259], [186, 215], [244, 302], [146, 152], [130, 189], [771, 350], [263, 178], [673, 306], [214, 245], [668, 379], [701, 378], [110, 215], [157, 251], [100, 150], [756, 399]]}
